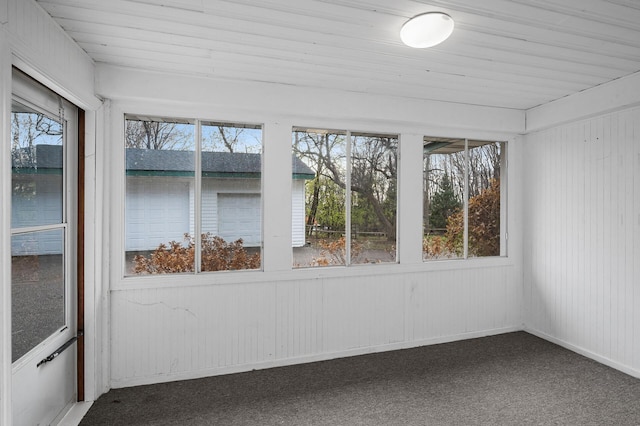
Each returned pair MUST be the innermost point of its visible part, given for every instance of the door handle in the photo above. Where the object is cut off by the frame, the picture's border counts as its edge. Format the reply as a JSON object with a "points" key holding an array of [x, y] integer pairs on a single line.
{"points": [[58, 351]]}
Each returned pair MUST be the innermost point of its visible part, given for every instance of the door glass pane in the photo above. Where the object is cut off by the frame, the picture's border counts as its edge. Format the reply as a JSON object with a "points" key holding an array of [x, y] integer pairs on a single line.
{"points": [[37, 288], [37, 168]]}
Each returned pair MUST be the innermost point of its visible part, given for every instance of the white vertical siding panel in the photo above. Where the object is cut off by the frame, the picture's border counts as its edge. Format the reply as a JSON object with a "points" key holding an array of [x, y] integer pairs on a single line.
{"points": [[581, 247], [547, 298], [569, 238], [599, 258], [632, 246], [297, 213], [192, 209], [615, 211], [620, 209], [605, 282], [557, 271], [625, 201], [580, 187], [636, 238], [529, 251], [602, 220], [592, 230]]}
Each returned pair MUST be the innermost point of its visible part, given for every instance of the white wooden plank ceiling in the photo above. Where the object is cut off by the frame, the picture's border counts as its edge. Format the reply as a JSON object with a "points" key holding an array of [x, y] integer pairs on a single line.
{"points": [[503, 53]]}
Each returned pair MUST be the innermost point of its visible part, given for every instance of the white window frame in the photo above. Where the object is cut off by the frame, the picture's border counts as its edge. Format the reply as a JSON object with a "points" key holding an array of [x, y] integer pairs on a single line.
{"points": [[197, 190], [348, 135], [504, 182]]}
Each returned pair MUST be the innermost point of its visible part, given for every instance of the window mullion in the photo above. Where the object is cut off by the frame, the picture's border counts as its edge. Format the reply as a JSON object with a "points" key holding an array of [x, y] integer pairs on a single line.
{"points": [[504, 170], [197, 228], [347, 193], [465, 238]]}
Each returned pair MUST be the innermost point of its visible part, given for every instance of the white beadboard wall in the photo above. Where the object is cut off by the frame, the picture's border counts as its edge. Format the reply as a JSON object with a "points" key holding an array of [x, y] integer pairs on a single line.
{"points": [[582, 237], [172, 333]]}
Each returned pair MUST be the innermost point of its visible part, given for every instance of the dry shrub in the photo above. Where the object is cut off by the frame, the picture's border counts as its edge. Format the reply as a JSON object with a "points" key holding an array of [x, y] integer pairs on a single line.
{"points": [[484, 224], [334, 252], [435, 247], [216, 255]]}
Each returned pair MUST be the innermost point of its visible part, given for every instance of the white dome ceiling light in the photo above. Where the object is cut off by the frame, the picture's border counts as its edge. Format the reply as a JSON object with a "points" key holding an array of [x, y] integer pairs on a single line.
{"points": [[427, 29]]}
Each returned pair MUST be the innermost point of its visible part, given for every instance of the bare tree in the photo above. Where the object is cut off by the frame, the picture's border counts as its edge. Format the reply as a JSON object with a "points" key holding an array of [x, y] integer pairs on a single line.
{"points": [[157, 135], [230, 138], [29, 129], [373, 176], [318, 151], [373, 171]]}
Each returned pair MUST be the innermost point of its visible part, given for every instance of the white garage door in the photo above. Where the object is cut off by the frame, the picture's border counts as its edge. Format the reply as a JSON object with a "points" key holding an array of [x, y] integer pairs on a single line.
{"points": [[239, 217]]}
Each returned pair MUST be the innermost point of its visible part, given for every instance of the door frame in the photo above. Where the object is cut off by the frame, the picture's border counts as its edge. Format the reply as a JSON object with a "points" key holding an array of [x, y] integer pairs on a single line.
{"points": [[75, 208], [80, 252]]}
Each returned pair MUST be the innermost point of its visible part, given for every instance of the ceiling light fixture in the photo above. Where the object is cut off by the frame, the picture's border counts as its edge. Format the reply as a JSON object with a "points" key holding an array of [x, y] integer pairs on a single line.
{"points": [[426, 30]]}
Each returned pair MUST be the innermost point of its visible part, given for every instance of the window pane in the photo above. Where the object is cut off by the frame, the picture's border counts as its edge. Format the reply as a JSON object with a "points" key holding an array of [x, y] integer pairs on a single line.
{"points": [[159, 204], [443, 186], [231, 197], [484, 198], [318, 195], [373, 198], [37, 168], [445, 163], [37, 288]]}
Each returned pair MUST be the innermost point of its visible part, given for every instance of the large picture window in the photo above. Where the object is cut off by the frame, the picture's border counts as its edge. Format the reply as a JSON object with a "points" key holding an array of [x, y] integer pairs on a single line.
{"points": [[349, 198], [464, 202], [193, 196]]}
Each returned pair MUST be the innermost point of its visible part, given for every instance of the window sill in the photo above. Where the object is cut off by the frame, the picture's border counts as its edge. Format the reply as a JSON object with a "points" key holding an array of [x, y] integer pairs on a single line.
{"points": [[305, 274]]}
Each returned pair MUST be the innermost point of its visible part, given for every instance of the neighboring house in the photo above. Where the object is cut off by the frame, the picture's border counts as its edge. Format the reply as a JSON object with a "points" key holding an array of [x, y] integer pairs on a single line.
{"points": [[160, 197], [36, 192]]}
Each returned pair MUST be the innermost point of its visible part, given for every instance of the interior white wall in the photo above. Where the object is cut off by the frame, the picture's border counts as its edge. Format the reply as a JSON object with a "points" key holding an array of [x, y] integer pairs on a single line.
{"points": [[582, 230], [178, 327]]}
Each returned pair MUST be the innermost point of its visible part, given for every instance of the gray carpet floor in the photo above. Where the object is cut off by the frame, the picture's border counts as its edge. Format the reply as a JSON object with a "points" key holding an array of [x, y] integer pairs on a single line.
{"points": [[510, 379]]}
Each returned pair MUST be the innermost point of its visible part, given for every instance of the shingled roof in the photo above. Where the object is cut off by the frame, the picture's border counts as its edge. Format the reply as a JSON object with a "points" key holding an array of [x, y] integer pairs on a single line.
{"points": [[45, 157], [153, 161], [214, 164]]}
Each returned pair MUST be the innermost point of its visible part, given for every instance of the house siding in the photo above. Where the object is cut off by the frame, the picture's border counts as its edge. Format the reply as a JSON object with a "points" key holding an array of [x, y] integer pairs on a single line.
{"points": [[298, 213], [157, 211], [162, 209], [41, 206]]}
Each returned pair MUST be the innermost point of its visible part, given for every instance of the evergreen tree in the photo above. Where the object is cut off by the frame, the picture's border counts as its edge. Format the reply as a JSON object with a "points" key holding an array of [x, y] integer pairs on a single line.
{"points": [[444, 203]]}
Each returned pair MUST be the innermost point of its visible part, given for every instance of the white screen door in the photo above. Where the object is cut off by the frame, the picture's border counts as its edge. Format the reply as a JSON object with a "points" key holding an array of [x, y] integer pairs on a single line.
{"points": [[43, 253]]}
